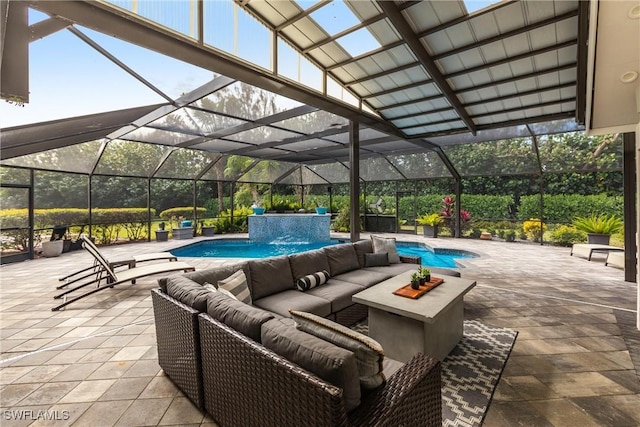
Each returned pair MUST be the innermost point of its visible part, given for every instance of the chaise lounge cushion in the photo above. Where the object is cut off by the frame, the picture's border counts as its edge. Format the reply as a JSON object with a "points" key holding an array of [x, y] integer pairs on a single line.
{"points": [[242, 317], [369, 353], [270, 276], [328, 361], [306, 263], [337, 292], [342, 258], [364, 277], [188, 292], [281, 302]]}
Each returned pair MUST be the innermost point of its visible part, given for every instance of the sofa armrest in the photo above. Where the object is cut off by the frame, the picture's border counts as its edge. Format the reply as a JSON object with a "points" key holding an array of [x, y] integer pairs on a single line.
{"points": [[178, 340], [410, 259], [411, 396], [245, 384]]}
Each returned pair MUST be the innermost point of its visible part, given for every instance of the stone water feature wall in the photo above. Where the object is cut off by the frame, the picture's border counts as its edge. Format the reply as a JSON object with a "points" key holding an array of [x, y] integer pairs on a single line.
{"points": [[289, 227]]}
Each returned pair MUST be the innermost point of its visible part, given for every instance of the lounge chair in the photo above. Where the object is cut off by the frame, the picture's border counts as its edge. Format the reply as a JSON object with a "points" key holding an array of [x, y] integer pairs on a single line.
{"points": [[106, 277], [615, 259], [586, 250], [130, 262]]}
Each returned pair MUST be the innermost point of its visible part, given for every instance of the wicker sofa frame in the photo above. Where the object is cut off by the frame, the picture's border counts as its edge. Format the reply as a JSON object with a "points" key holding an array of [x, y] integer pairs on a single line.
{"points": [[241, 383]]}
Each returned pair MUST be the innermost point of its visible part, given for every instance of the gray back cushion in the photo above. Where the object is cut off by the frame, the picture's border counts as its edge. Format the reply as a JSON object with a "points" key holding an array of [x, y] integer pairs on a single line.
{"points": [[306, 263], [242, 317], [188, 292], [362, 247], [328, 361], [342, 258], [270, 276]]}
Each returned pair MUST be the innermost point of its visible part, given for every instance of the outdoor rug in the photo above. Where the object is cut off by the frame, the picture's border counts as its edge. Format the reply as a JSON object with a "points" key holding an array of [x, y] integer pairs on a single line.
{"points": [[470, 373]]}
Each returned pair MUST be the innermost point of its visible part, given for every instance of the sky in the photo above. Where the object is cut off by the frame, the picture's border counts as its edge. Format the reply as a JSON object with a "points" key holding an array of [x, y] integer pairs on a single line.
{"points": [[67, 77]]}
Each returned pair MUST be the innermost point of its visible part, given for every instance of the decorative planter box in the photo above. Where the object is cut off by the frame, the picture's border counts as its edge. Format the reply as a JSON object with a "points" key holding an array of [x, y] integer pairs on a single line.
{"points": [[208, 231], [162, 235], [182, 233]]}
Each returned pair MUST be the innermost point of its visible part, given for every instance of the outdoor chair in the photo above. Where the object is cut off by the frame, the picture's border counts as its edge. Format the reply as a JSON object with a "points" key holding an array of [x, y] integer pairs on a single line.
{"points": [[106, 277], [130, 262]]}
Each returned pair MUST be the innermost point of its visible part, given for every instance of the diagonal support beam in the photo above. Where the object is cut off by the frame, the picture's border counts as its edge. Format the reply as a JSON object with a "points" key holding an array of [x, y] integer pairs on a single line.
{"points": [[404, 29]]}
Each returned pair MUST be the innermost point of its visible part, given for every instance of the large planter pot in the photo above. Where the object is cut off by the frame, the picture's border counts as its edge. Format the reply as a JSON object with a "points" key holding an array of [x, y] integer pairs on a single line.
{"points": [[430, 231], [258, 211], [162, 235], [52, 248], [208, 231], [598, 239]]}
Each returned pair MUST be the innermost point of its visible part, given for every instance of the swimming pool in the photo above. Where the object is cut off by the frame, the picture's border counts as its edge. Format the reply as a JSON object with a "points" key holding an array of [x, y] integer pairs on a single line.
{"points": [[244, 248]]}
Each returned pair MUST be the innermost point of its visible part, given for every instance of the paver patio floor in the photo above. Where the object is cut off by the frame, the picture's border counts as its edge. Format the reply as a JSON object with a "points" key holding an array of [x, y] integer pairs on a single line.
{"points": [[576, 360]]}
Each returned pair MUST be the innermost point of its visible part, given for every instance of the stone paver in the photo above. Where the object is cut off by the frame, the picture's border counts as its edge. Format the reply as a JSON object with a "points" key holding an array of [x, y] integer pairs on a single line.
{"points": [[575, 361]]}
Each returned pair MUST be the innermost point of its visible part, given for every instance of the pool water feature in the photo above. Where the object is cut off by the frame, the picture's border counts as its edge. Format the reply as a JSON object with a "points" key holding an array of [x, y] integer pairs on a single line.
{"points": [[245, 248]]}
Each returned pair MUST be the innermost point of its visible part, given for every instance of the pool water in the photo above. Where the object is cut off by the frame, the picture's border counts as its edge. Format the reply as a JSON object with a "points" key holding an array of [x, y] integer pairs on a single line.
{"points": [[244, 248]]}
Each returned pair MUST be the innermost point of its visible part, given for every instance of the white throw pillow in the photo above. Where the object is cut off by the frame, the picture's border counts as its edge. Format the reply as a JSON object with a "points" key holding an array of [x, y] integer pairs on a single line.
{"points": [[386, 244], [237, 285], [312, 280]]}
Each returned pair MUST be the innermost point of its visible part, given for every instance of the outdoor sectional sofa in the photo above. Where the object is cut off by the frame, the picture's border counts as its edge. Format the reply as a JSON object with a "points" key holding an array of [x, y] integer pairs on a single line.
{"points": [[211, 345]]}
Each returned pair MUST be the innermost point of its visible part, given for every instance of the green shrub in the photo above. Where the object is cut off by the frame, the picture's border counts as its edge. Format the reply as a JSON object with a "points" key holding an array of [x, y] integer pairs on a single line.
{"points": [[534, 229], [475, 232], [223, 223], [342, 222], [509, 235], [565, 235]]}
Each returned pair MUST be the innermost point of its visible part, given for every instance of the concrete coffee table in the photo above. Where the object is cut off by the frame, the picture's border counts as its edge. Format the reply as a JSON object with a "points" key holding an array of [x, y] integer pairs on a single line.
{"points": [[431, 324]]}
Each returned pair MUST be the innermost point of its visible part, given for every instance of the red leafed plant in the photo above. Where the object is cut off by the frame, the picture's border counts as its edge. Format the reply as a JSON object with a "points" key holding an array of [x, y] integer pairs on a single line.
{"points": [[448, 215]]}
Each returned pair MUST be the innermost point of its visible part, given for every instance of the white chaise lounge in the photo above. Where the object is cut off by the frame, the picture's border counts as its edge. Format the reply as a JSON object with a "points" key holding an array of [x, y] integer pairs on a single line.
{"points": [[586, 250], [615, 259]]}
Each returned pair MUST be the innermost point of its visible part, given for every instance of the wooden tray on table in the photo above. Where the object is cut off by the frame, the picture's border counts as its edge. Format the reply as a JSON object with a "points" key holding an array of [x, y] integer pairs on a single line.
{"points": [[408, 292]]}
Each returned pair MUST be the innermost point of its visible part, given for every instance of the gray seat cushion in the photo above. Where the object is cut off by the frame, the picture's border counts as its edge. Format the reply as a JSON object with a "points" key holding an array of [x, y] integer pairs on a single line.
{"points": [[306, 263], [270, 276], [364, 277], [393, 269], [363, 247], [242, 317], [282, 302], [328, 361], [341, 258], [188, 292], [337, 292]]}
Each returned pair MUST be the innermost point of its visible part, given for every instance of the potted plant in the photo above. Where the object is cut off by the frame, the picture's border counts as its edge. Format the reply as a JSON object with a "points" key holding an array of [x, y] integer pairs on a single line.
{"points": [[415, 281], [599, 228], [430, 224], [257, 209], [425, 275]]}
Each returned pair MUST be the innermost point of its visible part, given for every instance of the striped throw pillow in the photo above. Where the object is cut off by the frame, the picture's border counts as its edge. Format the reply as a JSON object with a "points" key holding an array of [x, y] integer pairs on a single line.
{"points": [[237, 285], [312, 280]]}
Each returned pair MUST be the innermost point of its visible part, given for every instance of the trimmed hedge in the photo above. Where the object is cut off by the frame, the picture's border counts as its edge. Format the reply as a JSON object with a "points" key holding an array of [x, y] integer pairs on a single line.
{"points": [[182, 211], [566, 207]]}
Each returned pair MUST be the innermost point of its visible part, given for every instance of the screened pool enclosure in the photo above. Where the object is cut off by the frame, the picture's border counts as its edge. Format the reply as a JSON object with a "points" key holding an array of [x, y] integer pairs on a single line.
{"points": [[210, 107]]}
